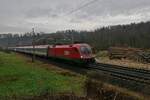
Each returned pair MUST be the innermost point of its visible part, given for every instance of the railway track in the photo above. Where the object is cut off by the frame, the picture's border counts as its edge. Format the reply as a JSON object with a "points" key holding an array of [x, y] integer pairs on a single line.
{"points": [[131, 74]]}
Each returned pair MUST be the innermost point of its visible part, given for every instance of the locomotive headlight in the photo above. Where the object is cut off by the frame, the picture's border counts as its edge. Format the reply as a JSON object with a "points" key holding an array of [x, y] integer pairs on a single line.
{"points": [[81, 56]]}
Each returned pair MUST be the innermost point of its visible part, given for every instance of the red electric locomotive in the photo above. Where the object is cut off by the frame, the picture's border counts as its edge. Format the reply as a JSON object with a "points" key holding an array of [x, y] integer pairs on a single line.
{"points": [[79, 53]]}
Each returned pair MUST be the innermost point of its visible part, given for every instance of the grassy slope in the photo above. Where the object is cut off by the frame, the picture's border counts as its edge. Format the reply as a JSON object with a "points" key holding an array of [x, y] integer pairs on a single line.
{"points": [[21, 78]]}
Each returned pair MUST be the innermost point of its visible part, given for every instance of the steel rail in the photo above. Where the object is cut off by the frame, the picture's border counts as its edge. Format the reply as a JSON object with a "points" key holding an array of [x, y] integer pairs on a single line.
{"points": [[127, 68], [127, 71], [123, 73]]}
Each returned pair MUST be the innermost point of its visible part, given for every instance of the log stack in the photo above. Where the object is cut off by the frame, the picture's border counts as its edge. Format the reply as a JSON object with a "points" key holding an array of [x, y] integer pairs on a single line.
{"points": [[137, 54]]}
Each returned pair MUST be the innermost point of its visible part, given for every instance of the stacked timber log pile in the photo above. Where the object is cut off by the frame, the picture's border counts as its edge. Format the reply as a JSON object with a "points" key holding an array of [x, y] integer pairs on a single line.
{"points": [[136, 54], [144, 56]]}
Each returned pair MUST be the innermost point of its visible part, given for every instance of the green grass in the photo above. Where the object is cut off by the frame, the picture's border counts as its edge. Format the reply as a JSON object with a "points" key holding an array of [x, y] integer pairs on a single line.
{"points": [[21, 78]]}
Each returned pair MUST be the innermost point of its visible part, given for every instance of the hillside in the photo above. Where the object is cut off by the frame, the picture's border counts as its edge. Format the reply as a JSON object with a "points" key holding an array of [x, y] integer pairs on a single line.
{"points": [[133, 35]]}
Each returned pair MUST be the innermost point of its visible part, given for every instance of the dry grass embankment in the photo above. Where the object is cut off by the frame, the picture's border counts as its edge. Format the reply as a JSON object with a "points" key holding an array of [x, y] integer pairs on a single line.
{"points": [[103, 57]]}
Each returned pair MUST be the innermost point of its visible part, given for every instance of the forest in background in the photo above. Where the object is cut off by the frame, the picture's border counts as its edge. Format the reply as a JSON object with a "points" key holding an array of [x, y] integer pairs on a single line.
{"points": [[131, 35]]}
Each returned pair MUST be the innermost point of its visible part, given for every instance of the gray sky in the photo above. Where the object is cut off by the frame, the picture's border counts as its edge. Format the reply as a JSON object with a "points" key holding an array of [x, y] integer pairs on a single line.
{"points": [[52, 15]]}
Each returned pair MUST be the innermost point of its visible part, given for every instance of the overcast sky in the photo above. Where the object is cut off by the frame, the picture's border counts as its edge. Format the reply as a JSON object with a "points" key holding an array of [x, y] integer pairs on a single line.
{"points": [[53, 15]]}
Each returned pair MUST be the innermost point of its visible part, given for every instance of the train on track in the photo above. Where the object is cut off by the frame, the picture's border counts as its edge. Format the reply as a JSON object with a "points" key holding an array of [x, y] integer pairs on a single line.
{"points": [[78, 53]]}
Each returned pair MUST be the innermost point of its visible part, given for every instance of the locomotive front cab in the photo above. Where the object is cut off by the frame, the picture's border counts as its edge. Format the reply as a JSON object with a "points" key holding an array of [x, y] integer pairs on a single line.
{"points": [[86, 54]]}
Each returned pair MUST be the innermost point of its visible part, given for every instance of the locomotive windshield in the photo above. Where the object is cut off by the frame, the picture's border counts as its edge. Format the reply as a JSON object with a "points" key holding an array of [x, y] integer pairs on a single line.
{"points": [[86, 50]]}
